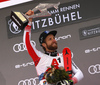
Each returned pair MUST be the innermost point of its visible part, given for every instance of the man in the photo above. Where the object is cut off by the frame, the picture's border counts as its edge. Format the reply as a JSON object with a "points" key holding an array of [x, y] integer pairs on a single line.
{"points": [[50, 57]]}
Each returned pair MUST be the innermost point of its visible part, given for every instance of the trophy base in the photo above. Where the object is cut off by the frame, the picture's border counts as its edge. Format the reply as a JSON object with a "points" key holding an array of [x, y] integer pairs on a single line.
{"points": [[19, 19]]}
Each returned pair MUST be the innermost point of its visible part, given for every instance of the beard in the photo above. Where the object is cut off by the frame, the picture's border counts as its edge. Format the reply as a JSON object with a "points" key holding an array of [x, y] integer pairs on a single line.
{"points": [[53, 46]]}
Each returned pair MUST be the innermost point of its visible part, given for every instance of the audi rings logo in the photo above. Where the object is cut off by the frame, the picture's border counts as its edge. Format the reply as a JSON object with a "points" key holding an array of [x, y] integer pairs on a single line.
{"points": [[31, 81], [93, 69], [21, 47]]}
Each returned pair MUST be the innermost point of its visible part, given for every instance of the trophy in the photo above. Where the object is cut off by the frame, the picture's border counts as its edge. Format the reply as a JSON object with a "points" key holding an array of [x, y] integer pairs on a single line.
{"points": [[21, 19]]}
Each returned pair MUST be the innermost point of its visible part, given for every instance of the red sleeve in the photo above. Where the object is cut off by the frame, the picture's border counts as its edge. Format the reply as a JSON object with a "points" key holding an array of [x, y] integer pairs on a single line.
{"points": [[29, 47]]}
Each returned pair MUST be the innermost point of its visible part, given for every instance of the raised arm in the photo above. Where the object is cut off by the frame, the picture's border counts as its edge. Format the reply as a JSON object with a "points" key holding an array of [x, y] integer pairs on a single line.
{"points": [[26, 39]]}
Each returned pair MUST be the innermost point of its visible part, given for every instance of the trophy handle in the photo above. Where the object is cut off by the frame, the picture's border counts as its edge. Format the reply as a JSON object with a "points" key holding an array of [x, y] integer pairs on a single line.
{"points": [[45, 13]]}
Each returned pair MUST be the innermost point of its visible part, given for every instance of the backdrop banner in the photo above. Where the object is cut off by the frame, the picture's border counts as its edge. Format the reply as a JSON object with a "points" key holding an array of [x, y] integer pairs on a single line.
{"points": [[67, 13], [89, 32]]}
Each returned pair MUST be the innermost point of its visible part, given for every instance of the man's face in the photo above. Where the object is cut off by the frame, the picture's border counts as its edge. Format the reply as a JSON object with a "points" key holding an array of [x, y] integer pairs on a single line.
{"points": [[50, 43]]}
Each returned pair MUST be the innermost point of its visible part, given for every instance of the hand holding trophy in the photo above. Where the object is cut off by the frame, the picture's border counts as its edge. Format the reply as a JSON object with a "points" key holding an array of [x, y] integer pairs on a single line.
{"points": [[21, 19], [29, 13]]}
